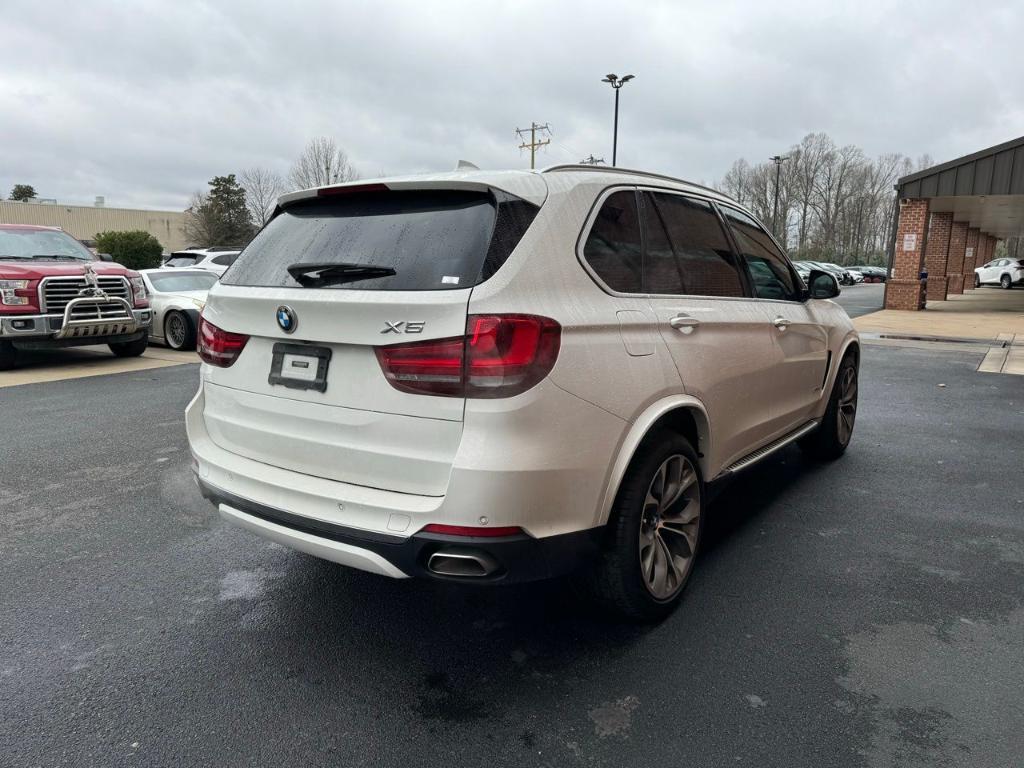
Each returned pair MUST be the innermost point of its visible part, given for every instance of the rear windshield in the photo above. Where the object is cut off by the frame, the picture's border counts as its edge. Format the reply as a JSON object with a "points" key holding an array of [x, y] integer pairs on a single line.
{"points": [[179, 260], [171, 282], [433, 239]]}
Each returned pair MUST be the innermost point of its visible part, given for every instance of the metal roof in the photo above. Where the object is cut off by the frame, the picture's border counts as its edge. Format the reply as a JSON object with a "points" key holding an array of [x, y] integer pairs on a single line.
{"points": [[984, 189]]}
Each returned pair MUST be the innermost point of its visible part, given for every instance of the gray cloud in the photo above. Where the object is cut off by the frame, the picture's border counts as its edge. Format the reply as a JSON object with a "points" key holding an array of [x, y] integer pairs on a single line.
{"points": [[143, 102]]}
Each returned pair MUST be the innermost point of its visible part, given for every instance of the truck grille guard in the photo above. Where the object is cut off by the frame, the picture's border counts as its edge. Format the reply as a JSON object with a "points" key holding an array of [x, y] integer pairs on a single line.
{"points": [[94, 313]]}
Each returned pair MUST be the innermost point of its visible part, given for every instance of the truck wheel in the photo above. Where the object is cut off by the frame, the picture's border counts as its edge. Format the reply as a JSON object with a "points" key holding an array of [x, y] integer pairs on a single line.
{"points": [[7, 355], [654, 531], [129, 348], [830, 439], [179, 333]]}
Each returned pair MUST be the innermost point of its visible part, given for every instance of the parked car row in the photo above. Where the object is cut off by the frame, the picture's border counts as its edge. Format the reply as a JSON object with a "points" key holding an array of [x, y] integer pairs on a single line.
{"points": [[56, 293]]}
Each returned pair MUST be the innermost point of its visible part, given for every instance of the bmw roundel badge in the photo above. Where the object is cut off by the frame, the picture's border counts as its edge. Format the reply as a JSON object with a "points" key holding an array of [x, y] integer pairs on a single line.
{"points": [[286, 319]]}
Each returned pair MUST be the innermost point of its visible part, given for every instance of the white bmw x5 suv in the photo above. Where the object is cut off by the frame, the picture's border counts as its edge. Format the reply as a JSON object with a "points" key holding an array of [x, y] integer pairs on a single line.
{"points": [[495, 377]]}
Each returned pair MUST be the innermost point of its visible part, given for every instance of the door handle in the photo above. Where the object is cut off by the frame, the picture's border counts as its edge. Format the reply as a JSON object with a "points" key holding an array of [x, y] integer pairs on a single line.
{"points": [[781, 323], [684, 323]]}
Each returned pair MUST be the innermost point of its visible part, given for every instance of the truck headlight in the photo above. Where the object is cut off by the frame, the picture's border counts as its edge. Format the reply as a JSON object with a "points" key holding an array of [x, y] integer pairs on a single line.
{"points": [[138, 290], [7, 295]]}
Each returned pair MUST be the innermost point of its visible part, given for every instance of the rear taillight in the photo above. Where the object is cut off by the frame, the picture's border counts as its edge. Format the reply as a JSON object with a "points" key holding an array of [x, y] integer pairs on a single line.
{"points": [[218, 347], [500, 356]]}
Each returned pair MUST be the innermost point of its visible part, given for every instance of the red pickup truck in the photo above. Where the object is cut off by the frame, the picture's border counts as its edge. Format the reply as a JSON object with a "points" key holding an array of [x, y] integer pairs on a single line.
{"points": [[55, 293]]}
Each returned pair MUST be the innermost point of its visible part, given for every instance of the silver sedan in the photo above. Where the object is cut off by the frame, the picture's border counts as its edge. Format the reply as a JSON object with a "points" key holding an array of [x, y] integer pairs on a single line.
{"points": [[176, 298]]}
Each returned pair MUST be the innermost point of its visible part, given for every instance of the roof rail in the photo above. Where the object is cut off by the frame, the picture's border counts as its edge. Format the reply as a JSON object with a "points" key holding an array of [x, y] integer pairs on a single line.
{"points": [[616, 169]]}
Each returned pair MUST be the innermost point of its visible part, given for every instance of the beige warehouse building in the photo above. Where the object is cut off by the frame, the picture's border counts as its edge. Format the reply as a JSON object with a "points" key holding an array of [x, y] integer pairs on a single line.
{"points": [[84, 221]]}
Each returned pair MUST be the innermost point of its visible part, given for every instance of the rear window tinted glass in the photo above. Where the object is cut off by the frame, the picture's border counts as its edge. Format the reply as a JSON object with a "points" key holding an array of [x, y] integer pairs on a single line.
{"points": [[171, 281], [613, 247], [434, 240], [687, 252], [181, 261]]}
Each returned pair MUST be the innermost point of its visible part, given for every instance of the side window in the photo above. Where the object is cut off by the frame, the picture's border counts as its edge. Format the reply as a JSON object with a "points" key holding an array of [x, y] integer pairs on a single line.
{"points": [[613, 248], [226, 260], [768, 267], [687, 251]]}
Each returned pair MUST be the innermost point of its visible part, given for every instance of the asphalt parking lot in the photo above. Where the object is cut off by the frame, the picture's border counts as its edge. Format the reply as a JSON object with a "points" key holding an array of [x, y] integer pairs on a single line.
{"points": [[867, 612]]}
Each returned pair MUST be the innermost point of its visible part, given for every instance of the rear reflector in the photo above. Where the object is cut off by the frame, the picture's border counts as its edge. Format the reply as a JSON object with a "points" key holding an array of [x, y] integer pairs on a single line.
{"points": [[218, 347], [473, 531], [499, 356]]}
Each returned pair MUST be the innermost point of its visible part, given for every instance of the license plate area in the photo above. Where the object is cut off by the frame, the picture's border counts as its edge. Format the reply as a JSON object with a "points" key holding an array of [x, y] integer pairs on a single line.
{"points": [[298, 366]]}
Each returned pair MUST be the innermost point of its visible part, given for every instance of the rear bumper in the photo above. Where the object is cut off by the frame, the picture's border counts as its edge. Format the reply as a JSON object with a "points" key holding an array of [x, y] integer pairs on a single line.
{"points": [[515, 559]]}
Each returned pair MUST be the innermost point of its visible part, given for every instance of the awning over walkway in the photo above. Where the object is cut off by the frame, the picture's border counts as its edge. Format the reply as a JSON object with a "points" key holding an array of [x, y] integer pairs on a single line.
{"points": [[985, 190], [950, 218]]}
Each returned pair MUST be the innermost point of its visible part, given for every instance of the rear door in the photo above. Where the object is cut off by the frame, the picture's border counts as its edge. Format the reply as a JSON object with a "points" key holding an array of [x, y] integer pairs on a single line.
{"points": [[800, 337], [718, 337], [307, 392]]}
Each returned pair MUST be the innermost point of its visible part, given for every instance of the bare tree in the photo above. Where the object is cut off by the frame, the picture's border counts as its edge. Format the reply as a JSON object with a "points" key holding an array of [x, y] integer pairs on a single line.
{"points": [[837, 203], [262, 188], [322, 162]]}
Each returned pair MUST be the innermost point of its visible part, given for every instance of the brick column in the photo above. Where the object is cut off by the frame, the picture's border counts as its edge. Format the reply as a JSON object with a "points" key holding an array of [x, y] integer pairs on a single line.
{"points": [[955, 263], [903, 291], [971, 257], [937, 254]]}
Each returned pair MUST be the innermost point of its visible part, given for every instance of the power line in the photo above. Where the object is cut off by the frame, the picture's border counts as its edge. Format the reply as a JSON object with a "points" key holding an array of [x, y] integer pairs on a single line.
{"points": [[534, 143]]}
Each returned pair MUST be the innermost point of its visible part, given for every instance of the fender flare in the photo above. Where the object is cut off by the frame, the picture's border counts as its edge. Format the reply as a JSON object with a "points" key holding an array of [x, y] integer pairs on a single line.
{"points": [[639, 429]]}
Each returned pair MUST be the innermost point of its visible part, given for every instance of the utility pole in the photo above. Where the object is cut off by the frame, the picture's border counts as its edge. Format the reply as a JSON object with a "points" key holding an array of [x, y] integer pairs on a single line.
{"points": [[591, 160], [533, 145], [616, 82], [778, 160]]}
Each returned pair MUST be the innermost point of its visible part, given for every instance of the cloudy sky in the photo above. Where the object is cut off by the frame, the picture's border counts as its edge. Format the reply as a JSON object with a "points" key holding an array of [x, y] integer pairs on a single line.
{"points": [[143, 102]]}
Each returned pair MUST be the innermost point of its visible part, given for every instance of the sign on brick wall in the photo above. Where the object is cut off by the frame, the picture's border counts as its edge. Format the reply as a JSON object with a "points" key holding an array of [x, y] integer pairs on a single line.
{"points": [[910, 242], [970, 253]]}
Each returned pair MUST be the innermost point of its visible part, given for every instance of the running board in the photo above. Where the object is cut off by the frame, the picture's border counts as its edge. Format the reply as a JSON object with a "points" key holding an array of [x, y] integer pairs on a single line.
{"points": [[768, 450]]}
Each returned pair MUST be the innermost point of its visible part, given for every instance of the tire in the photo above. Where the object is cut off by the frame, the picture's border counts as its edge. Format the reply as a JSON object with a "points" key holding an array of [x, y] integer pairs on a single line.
{"points": [[1006, 282], [8, 356], [653, 533], [829, 441], [179, 333], [977, 281], [130, 348]]}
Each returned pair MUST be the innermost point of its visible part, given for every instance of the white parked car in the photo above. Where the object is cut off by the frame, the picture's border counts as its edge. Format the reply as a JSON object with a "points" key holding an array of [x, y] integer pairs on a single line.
{"points": [[1005, 273], [504, 376], [858, 277], [216, 259], [176, 296]]}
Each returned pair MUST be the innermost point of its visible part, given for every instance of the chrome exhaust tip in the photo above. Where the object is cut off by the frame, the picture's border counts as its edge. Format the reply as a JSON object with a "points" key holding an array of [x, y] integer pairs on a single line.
{"points": [[462, 562]]}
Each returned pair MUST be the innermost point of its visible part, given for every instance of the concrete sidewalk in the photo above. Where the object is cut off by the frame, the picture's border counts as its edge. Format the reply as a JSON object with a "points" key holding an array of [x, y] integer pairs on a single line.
{"points": [[981, 315]]}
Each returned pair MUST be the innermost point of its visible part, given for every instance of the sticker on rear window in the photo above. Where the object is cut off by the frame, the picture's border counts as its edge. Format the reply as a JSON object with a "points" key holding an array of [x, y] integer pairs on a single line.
{"points": [[450, 280]]}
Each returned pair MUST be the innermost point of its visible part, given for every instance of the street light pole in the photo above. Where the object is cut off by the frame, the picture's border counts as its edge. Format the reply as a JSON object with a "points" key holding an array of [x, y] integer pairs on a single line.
{"points": [[616, 82], [778, 160]]}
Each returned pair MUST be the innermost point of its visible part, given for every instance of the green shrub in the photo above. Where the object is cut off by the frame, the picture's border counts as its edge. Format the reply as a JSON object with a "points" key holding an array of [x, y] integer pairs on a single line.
{"points": [[135, 249]]}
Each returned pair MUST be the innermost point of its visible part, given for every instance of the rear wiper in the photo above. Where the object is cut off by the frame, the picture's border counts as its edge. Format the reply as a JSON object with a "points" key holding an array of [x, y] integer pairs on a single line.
{"points": [[317, 275]]}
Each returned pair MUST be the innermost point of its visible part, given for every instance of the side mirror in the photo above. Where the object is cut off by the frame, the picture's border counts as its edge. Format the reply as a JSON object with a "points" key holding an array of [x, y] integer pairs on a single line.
{"points": [[822, 285], [105, 257]]}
